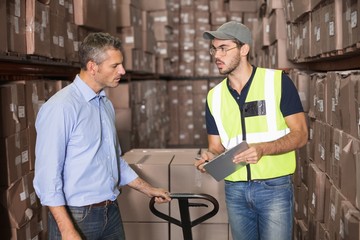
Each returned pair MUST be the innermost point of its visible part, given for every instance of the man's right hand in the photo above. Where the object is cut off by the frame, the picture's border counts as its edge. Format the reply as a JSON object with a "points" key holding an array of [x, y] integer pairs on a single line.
{"points": [[205, 157]]}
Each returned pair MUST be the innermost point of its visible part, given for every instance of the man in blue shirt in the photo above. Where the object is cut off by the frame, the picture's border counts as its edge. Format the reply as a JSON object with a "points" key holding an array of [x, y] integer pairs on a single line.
{"points": [[79, 167]]}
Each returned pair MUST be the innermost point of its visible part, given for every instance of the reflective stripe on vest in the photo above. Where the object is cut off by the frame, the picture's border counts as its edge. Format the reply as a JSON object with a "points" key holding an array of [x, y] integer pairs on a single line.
{"points": [[266, 85]]}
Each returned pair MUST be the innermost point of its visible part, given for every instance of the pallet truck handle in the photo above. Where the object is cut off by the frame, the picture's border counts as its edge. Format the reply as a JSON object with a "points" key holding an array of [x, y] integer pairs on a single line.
{"points": [[186, 224]]}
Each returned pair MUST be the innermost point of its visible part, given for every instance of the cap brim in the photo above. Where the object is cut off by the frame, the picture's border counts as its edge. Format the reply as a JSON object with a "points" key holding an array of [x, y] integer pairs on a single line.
{"points": [[216, 34]]}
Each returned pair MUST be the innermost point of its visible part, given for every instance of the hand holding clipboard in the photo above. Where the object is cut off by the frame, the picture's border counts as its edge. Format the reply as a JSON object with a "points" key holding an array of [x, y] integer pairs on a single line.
{"points": [[222, 165]]}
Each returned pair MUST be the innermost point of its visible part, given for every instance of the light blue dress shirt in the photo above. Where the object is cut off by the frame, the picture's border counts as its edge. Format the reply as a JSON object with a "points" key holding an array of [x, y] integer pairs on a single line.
{"points": [[78, 156]]}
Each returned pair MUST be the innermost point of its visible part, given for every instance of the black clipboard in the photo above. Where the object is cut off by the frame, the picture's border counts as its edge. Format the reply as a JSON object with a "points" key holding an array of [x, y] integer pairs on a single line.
{"points": [[222, 165]]}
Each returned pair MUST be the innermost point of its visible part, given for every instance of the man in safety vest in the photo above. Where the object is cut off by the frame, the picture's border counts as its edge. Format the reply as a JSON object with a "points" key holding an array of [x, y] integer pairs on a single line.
{"points": [[262, 107]]}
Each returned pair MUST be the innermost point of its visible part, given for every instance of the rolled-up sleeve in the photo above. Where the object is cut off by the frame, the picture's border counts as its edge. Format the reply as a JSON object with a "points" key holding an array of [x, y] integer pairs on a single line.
{"points": [[50, 153], [127, 174]]}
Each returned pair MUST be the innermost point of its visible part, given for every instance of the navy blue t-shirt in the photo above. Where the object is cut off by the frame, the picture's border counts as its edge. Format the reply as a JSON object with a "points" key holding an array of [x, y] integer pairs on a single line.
{"points": [[289, 104]]}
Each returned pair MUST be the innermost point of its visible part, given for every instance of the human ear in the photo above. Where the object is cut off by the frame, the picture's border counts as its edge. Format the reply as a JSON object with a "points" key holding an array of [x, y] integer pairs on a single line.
{"points": [[91, 67], [244, 50]]}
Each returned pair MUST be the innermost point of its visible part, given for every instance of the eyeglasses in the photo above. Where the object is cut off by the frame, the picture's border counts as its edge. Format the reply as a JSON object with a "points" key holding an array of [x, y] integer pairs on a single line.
{"points": [[222, 51]]}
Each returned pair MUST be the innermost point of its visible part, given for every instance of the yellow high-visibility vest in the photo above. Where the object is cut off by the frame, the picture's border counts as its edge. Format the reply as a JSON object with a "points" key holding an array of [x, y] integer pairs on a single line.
{"points": [[264, 122]]}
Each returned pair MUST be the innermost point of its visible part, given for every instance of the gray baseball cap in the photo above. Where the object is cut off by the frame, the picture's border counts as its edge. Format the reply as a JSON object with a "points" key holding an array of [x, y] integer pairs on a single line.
{"points": [[229, 31]]}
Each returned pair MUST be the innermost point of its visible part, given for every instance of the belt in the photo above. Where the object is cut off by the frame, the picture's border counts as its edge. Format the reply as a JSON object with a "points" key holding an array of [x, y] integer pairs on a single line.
{"points": [[102, 204]]}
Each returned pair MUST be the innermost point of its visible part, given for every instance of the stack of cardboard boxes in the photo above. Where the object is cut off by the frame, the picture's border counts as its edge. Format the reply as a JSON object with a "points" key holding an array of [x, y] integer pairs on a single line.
{"points": [[327, 182], [37, 28], [22, 215], [171, 169]]}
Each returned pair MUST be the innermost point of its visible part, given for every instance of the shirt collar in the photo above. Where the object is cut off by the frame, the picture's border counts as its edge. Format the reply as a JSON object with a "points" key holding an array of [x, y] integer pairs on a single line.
{"points": [[248, 83], [86, 91]]}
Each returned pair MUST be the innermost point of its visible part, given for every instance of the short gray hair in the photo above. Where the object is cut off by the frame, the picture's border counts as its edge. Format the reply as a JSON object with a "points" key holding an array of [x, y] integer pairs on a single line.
{"points": [[94, 46]]}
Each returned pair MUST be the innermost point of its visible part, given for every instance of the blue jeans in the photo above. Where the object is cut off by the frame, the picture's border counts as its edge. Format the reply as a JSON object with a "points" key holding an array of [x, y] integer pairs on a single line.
{"points": [[92, 223], [260, 209]]}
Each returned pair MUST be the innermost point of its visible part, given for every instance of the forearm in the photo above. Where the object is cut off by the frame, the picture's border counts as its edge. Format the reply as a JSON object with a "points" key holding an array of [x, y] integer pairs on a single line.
{"points": [[289, 142], [215, 147], [141, 186], [161, 195], [63, 221]]}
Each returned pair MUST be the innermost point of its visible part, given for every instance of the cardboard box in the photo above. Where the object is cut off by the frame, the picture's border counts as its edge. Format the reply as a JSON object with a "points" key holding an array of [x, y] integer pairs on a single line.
{"points": [[216, 5], [119, 96], [57, 36], [302, 232], [123, 119], [202, 17], [202, 63], [321, 96], [328, 184], [311, 141], [135, 3], [302, 164], [349, 165], [262, 37], [149, 41], [349, 222], [131, 37], [350, 20], [128, 15], [243, 6], [323, 233], [71, 42], [349, 102], [277, 25], [15, 157], [317, 38], [277, 54], [164, 17], [13, 109], [336, 151], [16, 200], [189, 16], [153, 167], [35, 98], [85, 10], [16, 31], [30, 230], [332, 25], [273, 5], [146, 230], [323, 139], [333, 89], [193, 181], [69, 11], [3, 25], [32, 143], [316, 192], [303, 86], [110, 16], [336, 198], [172, 87], [154, 5], [303, 203], [299, 8], [217, 18], [306, 47], [37, 28], [34, 200]]}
